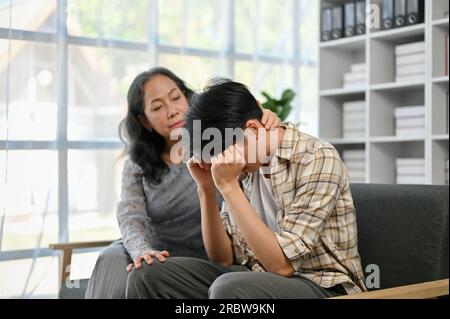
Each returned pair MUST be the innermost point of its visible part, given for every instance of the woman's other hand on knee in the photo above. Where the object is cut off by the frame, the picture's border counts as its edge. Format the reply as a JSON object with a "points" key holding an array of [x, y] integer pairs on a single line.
{"points": [[148, 258]]}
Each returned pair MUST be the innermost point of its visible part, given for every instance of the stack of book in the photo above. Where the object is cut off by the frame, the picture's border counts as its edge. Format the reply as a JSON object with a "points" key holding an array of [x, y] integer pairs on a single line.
{"points": [[410, 121], [411, 171], [410, 62], [355, 161], [354, 119], [356, 78]]}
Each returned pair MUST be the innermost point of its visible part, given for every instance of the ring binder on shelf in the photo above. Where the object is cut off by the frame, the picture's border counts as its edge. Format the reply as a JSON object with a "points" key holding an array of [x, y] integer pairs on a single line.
{"points": [[388, 14], [327, 26], [350, 21], [338, 22], [415, 10], [400, 13], [360, 16]]}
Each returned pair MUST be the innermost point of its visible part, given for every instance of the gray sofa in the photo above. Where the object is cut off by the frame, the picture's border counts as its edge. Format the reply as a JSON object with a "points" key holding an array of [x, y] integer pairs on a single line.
{"points": [[403, 230]]}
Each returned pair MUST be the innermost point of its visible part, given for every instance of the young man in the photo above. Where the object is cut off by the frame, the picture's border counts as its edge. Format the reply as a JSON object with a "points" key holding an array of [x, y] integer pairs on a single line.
{"points": [[288, 226]]}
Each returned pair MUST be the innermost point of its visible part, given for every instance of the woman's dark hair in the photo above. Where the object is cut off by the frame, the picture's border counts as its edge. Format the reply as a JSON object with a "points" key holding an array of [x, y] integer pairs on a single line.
{"points": [[222, 105], [145, 147]]}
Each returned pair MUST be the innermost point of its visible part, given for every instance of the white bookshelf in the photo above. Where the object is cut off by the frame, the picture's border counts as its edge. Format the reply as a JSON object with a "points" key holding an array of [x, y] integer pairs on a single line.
{"points": [[382, 95]]}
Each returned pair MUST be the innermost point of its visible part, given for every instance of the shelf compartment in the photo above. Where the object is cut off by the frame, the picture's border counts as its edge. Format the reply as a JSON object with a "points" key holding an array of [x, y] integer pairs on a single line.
{"points": [[439, 8], [382, 109], [438, 58], [331, 114], [334, 63], [439, 157], [356, 167], [383, 58], [439, 110], [383, 158]]}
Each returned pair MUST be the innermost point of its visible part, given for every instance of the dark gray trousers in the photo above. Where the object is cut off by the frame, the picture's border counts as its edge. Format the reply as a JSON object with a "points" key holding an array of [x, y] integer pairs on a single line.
{"points": [[109, 278], [192, 278]]}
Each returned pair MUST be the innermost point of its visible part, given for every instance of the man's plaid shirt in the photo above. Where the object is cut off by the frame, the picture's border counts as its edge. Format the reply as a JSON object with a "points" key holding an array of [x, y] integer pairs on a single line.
{"points": [[316, 215]]}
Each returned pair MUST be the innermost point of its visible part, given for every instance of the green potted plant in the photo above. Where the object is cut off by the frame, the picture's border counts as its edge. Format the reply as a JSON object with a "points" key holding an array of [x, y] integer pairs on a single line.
{"points": [[281, 107]]}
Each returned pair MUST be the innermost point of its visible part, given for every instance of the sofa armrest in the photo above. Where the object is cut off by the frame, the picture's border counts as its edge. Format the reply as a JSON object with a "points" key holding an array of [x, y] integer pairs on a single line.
{"points": [[427, 290], [68, 248], [79, 245]]}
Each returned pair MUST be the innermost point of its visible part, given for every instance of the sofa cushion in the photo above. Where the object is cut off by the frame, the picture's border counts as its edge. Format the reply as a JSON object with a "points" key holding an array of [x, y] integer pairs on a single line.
{"points": [[404, 231]]}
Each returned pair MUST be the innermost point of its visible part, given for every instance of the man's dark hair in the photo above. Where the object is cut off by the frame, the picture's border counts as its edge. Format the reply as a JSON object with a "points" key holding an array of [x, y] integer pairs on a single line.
{"points": [[222, 104]]}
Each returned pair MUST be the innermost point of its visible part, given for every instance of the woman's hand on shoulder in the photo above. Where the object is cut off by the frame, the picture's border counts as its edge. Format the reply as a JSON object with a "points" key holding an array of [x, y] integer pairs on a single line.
{"points": [[270, 120]]}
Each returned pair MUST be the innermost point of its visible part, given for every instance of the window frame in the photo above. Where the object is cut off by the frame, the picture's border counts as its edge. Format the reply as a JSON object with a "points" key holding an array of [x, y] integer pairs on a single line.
{"points": [[62, 40]]}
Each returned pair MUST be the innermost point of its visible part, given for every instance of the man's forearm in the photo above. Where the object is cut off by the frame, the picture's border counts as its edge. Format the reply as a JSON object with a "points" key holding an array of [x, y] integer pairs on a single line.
{"points": [[217, 243], [259, 237]]}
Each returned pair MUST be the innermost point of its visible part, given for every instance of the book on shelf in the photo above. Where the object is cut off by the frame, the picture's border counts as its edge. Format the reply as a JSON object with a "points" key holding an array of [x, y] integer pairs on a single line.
{"points": [[350, 126], [353, 135], [354, 116], [355, 77], [410, 78], [410, 48], [358, 67], [410, 162], [410, 122], [409, 111], [407, 59], [356, 165], [354, 106], [417, 132], [356, 174], [410, 62], [354, 113], [414, 68], [411, 180], [351, 155], [411, 170], [355, 85]]}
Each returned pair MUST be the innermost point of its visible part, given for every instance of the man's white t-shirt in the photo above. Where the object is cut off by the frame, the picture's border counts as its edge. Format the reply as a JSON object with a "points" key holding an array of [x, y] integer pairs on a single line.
{"points": [[263, 199]]}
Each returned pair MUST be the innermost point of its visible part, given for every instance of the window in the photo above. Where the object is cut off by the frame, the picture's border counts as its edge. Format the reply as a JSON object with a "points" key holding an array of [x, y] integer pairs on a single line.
{"points": [[65, 68]]}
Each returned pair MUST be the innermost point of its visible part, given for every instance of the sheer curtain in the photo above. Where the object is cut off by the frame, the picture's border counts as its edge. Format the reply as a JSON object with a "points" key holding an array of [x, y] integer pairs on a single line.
{"points": [[65, 67]]}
